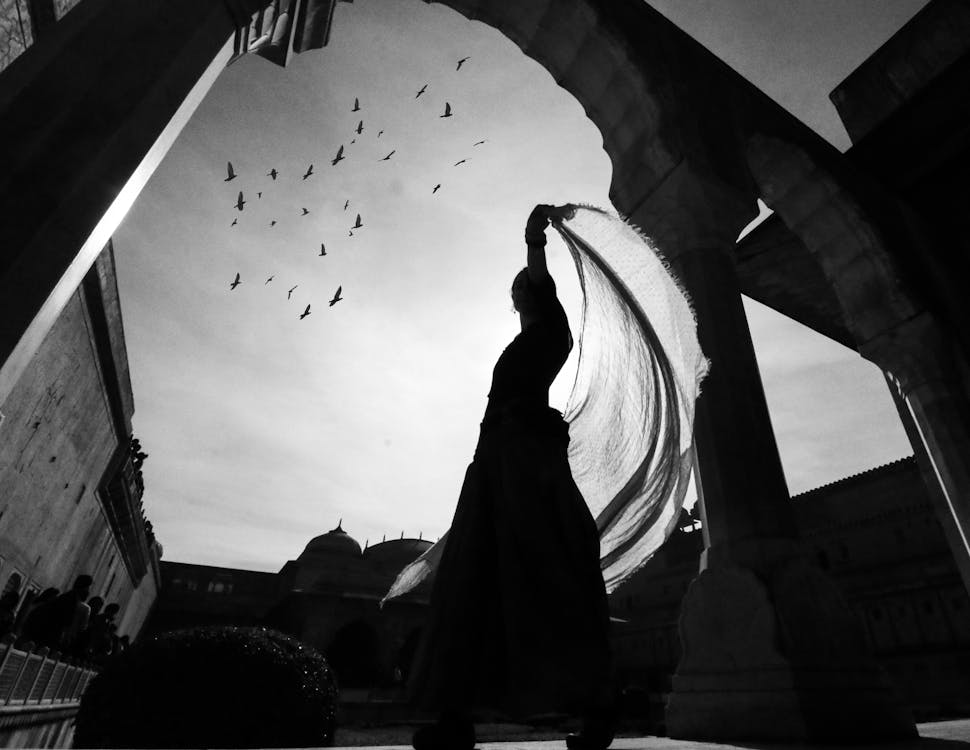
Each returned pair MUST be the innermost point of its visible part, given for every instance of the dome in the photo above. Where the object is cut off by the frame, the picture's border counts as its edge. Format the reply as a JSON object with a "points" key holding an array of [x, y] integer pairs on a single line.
{"points": [[334, 542], [396, 553]]}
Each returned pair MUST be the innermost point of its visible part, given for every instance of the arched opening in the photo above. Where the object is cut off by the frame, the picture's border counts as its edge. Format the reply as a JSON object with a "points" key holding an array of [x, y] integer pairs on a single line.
{"points": [[628, 117], [354, 654], [405, 657]]}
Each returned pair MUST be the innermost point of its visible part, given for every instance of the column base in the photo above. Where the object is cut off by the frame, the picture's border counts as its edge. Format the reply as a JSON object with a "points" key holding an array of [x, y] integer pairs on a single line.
{"points": [[782, 659]]}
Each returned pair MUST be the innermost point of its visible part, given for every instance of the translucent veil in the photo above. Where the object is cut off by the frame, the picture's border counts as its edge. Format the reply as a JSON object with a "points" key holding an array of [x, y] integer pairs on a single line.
{"points": [[631, 408]]}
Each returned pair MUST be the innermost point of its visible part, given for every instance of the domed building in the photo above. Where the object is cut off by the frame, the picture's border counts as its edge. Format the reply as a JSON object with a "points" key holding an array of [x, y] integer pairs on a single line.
{"points": [[329, 597]]}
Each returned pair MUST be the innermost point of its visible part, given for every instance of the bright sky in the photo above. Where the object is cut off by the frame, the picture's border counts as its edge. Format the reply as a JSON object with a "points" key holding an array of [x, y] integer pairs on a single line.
{"points": [[263, 429]]}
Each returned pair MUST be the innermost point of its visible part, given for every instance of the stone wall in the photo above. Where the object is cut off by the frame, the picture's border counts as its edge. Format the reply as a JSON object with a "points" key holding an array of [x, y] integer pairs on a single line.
{"points": [[66, 423]]}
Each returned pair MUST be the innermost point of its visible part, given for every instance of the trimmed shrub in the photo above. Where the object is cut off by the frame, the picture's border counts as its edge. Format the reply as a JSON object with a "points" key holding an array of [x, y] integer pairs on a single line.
{"points": [[212, 687]]}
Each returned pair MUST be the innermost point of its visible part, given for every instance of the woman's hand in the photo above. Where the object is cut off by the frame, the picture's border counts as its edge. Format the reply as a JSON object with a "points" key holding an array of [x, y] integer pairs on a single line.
{"points": [[535, 227]]}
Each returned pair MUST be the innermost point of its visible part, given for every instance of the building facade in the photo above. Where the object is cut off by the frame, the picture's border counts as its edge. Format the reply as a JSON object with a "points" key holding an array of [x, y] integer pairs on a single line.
{"points": [[877, 535], [329, 597], [70, 479]]}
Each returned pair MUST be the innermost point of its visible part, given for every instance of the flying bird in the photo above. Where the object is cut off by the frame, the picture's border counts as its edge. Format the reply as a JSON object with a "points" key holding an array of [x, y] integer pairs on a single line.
{"points": [[235, 283], [436, 187], [353, 141], [338, 157], [291, 291], [305, 312], [232, 175], [336, 297], [462, 161], [447, 110], [421, 91], [259, 195], [479, 143], [380, 133], [268, 280], [234, 222], [323, 250], [309, 171], [461, 62], [356, 105], [273, 223], [272, 173], [358, 225], [346, 203], [388, 156], [350, 233], [240, 202], [305, 212], [360, 127]]}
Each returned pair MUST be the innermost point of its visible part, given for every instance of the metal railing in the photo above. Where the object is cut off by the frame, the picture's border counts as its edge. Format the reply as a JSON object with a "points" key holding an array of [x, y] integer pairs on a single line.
{"points": [[39, 678]]}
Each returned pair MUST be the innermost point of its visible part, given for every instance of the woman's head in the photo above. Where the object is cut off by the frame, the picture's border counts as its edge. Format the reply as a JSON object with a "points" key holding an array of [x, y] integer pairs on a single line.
{"points": [[523, 295]]}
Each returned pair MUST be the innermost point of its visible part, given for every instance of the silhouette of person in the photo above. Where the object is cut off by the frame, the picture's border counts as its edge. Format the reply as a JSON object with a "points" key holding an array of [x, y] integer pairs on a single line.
{"points": [[80, 614], [36, 621], [83, 645], [58, 622], [8, 610], [99, 640], [519, 619]]}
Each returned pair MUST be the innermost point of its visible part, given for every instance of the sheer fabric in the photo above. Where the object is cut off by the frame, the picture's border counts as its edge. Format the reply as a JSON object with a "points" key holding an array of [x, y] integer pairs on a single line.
{"points": [[631, 407]]}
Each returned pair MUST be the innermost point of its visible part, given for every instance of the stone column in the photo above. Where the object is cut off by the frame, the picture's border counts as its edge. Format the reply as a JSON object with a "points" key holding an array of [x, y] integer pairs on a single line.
{"points": [[86, 114], [923, 368], [771, 651]]}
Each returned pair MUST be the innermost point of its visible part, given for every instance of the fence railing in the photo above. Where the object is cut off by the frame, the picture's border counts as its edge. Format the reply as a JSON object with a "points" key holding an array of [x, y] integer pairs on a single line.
{"points": [[39, 677]]}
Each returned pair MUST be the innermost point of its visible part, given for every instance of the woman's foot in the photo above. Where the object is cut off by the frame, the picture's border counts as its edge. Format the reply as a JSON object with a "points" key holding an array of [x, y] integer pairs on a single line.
{"points": [[596, 734], [448, 733]]}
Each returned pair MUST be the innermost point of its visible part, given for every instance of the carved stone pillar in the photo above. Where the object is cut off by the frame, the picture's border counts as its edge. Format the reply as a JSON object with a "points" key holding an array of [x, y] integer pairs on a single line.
{"points": [[771, 651]]}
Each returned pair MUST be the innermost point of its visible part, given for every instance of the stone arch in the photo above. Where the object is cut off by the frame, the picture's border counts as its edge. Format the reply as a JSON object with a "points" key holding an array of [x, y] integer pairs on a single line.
{"points": [[851, 232], [659, 99], [354, 653], [675, 123], [848, 244]]}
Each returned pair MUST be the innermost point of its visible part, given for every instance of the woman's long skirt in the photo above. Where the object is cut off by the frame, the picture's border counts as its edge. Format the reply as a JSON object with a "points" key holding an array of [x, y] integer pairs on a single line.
{"points": [[519, 618]]}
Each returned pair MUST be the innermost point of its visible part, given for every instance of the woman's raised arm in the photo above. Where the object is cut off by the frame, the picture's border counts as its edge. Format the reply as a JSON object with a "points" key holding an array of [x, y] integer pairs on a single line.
{"points": [[535, 240]]}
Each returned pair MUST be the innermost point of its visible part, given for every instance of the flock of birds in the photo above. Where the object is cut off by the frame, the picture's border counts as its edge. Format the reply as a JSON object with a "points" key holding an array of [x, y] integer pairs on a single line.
{"points": [[358, 223]]}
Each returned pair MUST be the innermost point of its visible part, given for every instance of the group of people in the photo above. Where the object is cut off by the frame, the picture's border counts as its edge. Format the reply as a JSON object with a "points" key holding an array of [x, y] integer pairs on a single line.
{"points": [[72, 622]]}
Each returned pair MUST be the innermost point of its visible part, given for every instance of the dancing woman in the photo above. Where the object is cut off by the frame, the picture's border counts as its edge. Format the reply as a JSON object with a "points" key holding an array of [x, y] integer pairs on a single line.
{"points": [[519, 617]]}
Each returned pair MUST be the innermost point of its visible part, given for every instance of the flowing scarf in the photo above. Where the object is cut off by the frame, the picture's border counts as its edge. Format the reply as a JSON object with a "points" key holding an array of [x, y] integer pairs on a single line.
{"points": [[631, 407]]}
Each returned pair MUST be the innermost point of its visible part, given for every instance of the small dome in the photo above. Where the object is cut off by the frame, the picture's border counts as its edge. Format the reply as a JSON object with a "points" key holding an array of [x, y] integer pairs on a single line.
{"points": [[336, 541], [396, 553]]}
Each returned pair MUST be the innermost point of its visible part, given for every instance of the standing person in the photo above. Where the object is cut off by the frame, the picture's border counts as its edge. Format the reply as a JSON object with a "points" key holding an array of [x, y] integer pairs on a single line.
{"points": [[8, 611], [58, 622], [80, 614], [38, 620], [83, 646], [519, 617], [100, 637]]}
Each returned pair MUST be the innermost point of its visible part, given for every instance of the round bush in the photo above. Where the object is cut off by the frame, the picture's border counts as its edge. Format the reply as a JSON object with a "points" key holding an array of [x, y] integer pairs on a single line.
{"points": [[211, 687]]}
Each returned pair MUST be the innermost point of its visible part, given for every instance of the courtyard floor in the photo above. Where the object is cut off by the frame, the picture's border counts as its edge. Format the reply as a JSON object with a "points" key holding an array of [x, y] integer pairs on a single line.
{"points": [[940, 735]]}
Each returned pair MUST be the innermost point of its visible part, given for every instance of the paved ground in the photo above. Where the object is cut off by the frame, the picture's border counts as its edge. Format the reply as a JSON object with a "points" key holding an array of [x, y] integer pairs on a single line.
{"points": [[942, 735]]}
